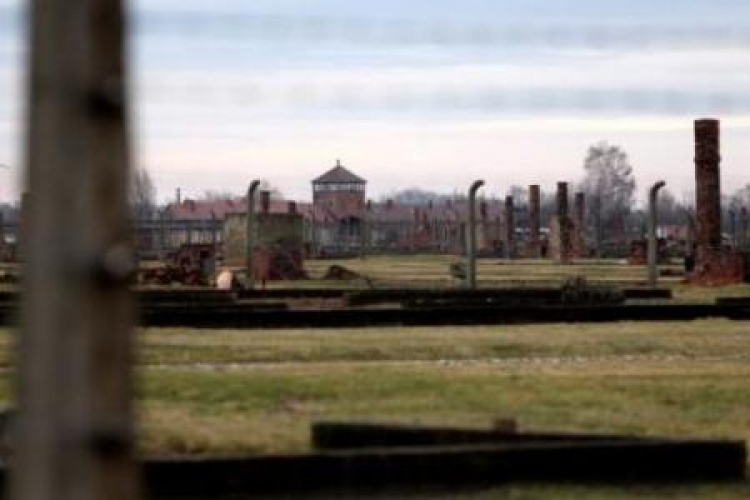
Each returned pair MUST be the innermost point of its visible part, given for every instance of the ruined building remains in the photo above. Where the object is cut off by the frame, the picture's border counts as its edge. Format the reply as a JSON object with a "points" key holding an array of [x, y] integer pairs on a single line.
{"points": [[560, 244], [713, 262]]}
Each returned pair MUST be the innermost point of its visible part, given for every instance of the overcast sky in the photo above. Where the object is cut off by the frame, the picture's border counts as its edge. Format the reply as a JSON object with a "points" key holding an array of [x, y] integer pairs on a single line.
{"points": [[428, 93]]}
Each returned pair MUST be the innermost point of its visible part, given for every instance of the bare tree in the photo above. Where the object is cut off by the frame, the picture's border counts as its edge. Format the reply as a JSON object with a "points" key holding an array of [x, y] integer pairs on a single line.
{"points": [[276, 194], [213, 195], [740, 198], [610, 184], [142, 194], [671, 211]]}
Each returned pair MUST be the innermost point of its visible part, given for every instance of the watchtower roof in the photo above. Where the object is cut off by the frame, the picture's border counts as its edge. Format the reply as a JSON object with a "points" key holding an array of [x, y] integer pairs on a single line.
{"points": [[339, 175]]}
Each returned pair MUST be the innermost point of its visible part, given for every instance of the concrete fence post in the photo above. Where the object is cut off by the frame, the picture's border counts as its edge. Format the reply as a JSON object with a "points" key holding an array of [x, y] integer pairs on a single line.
{"points": [[471, 237], [250, 233], [653, 244]]}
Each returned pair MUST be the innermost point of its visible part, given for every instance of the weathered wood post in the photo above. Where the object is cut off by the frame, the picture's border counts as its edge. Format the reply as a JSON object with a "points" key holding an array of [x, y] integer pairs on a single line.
{"points": [[653, 244], [471, 237], [250, 233], [75, 435]]}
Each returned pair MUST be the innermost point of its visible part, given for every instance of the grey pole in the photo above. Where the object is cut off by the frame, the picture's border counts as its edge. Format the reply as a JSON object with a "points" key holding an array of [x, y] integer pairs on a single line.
{"points": [[653, 268], [471, 239], [250, 237]]}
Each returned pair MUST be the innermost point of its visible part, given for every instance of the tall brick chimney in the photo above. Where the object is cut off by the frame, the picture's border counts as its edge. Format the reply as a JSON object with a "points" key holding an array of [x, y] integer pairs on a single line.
{"points": [[535, 209], [708, 190], [510, 227], [563, 219]]}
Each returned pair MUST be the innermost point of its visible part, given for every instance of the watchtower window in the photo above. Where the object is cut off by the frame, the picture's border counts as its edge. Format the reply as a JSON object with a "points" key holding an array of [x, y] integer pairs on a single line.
{"points": [[339, 187]]}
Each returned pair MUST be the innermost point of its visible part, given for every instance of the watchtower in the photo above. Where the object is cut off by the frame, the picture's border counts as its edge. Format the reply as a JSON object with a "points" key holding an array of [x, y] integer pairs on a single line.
{"points": [[340, 191]]}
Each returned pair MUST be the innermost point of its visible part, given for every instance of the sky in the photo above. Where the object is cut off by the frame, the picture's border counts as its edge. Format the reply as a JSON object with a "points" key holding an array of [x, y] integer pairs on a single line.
{"points": [[417, 93]]}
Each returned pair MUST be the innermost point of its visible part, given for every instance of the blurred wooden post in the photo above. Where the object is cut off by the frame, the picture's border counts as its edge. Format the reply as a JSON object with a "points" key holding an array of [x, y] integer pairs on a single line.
{"points": [[75, 430], [2, 236], [471, 237]]}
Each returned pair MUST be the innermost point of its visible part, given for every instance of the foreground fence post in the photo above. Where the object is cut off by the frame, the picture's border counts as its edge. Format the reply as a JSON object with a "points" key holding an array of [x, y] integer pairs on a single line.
{"points": [[653, 243], [471, 237], [75, 437]]}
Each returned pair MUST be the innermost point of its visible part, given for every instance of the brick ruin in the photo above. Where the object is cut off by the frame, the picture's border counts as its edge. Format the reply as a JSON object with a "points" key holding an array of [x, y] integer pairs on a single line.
{"points": [[714, 264], [340, 221], [560, 237], [279, 241], [510, 228], [535, 209]]}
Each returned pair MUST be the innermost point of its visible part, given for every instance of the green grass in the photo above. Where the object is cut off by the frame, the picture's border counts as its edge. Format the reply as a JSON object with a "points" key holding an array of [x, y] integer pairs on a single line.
{"points": [[247, 391], [269, 408], [690, 339], [226, 392], [428, 269], [433, 271]]}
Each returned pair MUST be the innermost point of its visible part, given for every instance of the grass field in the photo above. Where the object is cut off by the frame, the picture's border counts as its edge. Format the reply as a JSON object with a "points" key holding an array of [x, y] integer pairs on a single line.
{"points": [[433, 271], [235, 392], [226, 392], [211, 392], [425, 270]]}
